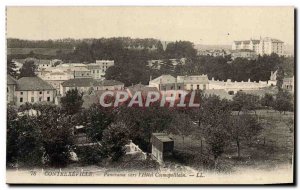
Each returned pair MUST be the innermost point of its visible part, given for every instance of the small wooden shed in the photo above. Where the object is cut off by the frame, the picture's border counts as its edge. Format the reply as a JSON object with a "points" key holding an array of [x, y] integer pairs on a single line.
{"points": [[162, 146]]}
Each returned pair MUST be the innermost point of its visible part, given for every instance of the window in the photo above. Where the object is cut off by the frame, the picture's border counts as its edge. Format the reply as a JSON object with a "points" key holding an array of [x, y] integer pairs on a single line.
{"points": [[198, 87], [40, 99], [41, 92], [204, 86], [178, 87], [32, 92], [7, 89], [21, 93], [48, 92], [97, 71], [32, 99], [171, 87], [179, 95], [21, 99], [48, 99]]}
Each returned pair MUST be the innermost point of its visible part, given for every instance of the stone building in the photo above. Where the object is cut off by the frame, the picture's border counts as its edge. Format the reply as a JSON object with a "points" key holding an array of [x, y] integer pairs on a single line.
{"points": [[33, 90]]}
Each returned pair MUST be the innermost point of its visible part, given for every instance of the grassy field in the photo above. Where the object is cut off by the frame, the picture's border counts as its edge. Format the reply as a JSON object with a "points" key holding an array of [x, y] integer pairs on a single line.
{"points": [[272, 148], [40, 51]]}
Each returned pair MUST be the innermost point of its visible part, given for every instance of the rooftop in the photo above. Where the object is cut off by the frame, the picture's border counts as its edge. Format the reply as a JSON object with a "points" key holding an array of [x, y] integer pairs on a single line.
{"points": [[79, 82], [33, 84], [111, 82], [164, 79], [163, 137], [11, 80]]}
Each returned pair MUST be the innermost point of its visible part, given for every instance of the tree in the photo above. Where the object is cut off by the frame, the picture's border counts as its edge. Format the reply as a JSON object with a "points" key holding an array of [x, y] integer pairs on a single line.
{"points": [[244, 127], [279, 78], [24, 140], [115, 137], [11, 134], [142, 122], [267, 100], [11, 68], [28, 69], [72, 102], [283, 101], [97, 120], [58, 140], [245, 102], [214, 123], [181, 125]]}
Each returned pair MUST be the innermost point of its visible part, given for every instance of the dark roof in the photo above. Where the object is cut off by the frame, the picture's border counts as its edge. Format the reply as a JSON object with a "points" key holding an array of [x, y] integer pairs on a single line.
{"points": [[80, 82], [163, 137], [255, 41], [276, 41], [111, 82], [11, 80], [33, 83]]}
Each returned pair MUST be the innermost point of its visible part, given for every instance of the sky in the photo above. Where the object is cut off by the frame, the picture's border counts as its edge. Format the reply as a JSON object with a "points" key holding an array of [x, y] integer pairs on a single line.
{"points": [[201, 25]]}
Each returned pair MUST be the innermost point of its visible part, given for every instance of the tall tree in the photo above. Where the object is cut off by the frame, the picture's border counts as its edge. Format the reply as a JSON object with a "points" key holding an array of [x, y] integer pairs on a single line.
{"points": [[28, 69], [244, 127], [245, 102], [279, 78], [214, 123], [115, 137], [283, 101], [72, 102], [11, 68]]}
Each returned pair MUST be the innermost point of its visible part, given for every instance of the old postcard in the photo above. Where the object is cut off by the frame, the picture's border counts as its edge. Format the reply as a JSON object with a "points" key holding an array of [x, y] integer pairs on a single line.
{"points": [[150, 95]]}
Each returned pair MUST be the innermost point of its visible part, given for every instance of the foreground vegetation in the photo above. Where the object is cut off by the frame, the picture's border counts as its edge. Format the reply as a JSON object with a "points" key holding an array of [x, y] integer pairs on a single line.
{"points": [[219, 135]]}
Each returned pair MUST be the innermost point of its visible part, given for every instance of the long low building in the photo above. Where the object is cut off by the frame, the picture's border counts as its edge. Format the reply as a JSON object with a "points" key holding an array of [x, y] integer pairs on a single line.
{"points": [[201, 82]]}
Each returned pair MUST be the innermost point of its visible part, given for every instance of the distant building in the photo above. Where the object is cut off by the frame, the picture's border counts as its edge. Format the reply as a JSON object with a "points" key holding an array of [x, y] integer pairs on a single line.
{"points": [[81, 84], [75, 70], [33, 90], [168, 82], [162, 146], [55, 78], [195, 82], [110, 85], [86, 85], [213, 52], [156, 64], [288, 84], [264, 46], [11, 89], [243, 53], [99, 68], [232, 87]]}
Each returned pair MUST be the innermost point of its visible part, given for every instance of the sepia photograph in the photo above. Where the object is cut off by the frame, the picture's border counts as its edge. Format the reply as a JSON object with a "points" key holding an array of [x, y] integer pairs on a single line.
{"points": [[157, 95]]}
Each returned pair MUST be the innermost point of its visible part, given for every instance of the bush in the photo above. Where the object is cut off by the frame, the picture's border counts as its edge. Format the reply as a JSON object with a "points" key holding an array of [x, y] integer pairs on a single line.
{"points": [[114, 140], [89, 155]]}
